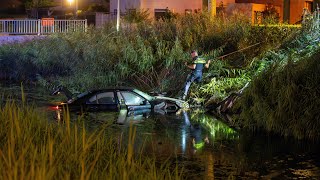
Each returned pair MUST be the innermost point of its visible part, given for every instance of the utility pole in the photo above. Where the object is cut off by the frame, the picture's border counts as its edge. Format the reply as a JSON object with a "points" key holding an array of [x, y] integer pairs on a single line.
{"points": [[77, 8], [118, 15], [76, 1]]}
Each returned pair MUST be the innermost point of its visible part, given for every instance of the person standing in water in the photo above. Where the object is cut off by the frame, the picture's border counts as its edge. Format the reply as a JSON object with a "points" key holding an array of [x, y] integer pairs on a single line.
{"points": [[196, 73]]}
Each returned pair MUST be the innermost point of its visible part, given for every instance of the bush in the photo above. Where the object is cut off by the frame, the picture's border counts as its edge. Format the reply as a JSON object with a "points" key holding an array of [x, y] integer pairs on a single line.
{"points": [[147, 55]]}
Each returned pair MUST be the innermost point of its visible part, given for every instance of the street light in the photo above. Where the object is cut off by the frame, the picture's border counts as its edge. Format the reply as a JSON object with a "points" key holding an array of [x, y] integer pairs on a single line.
{"points": [[118, 15], [76, 5], [70, 2]]}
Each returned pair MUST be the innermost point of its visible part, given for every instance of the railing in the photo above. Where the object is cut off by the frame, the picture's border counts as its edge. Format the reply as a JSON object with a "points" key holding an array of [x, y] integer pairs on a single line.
{"points": [[41, 26]]}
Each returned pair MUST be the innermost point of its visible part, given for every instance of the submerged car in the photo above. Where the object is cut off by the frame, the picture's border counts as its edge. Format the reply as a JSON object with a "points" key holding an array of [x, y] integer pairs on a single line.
{"points": [[116, 98]]}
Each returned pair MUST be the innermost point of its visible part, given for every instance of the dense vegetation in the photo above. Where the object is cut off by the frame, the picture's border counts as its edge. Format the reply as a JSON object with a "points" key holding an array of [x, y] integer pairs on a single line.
{"points": [[148, 55], [283, 98]]}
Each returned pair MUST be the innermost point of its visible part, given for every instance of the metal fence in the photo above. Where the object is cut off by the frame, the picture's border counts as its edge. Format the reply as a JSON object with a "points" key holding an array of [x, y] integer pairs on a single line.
{"points": [[41, 26]]}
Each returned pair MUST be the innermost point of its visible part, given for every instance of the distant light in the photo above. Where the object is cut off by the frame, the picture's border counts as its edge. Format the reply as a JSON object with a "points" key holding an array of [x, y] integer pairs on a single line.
{"points": [[70, 1]]}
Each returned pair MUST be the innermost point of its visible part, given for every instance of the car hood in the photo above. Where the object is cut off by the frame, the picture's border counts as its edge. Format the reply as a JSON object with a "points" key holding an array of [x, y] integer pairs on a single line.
{"points": [[179, 102]]}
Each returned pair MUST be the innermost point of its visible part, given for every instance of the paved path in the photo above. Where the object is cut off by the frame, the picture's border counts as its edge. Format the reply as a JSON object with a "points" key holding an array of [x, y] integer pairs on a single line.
{"points": [[10, 39]]}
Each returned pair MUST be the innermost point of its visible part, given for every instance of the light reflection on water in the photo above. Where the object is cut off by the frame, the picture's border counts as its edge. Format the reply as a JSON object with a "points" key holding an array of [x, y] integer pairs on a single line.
{"points": [[205, 146]]}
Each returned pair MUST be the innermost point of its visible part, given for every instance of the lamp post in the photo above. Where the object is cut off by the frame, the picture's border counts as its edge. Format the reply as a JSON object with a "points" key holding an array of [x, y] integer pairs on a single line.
{"points": [[118, 15], [75, 5], [70, 2]]}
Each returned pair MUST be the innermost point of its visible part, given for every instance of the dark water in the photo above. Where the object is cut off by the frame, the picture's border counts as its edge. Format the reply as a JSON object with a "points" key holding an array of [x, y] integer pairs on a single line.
{"points": [[204, 145]]}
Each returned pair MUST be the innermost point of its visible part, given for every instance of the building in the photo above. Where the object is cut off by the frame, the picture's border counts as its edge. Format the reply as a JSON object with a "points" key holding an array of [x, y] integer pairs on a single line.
{"points": [[159, 7], [83, 4], [10, 6], [287, 10]]}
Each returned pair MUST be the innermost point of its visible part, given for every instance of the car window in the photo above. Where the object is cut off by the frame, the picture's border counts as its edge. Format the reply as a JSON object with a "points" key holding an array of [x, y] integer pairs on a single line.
{"points": [[93, 99], [145, 95], [106, 98], [103, 98], [132, 98]]}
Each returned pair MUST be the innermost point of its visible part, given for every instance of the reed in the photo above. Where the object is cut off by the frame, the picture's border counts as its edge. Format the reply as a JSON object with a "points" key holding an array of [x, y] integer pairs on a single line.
{"points": [[282, 97], [146, 54], [33, 148]]}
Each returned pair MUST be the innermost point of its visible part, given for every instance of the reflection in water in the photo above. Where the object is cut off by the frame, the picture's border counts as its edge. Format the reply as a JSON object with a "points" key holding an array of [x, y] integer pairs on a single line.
{"points": [[206, 147], [136, 116], [215, 128]]}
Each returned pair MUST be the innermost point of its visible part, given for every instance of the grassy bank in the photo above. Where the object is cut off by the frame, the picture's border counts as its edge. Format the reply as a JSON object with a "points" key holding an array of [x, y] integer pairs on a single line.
{"points": [[283, 97], [148, 55], [33, 148]]}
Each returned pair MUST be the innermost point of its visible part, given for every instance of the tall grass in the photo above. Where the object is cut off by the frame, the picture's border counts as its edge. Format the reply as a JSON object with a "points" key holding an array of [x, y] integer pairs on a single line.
{"points": [[33, 148], [282, 98], [285, 101], [148, 55]]}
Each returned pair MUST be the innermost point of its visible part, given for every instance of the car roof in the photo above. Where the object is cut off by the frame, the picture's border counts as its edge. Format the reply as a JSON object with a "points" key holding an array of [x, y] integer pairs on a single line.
{"points": [[112, 88], [108, 89], [141, 93], [81, 95]]}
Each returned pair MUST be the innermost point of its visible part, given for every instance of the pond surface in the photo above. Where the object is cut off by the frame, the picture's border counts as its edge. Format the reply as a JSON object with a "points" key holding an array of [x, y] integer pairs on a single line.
{"points": [[203, 144]]}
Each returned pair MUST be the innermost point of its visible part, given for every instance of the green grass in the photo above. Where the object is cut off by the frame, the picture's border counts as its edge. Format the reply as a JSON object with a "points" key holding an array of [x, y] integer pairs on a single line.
{"points": [[285, 101], [148, 55], [283, 95]]}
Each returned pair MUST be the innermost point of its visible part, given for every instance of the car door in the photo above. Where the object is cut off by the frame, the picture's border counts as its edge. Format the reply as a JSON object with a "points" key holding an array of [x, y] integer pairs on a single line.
{"points": [[133, 101], [102, 101]]}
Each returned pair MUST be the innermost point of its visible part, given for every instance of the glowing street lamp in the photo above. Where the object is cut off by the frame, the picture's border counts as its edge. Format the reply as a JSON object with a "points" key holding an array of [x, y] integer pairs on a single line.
{"points": [[70, 2], [76, 5]]}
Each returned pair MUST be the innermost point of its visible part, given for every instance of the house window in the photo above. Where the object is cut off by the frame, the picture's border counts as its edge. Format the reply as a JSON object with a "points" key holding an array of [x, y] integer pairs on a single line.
{"points": [[308, 5], [160, 13], [188, 11]]}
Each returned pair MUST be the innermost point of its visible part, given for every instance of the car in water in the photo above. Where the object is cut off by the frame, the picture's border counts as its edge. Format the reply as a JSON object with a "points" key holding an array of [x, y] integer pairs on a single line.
{"points": [[117, 98]]}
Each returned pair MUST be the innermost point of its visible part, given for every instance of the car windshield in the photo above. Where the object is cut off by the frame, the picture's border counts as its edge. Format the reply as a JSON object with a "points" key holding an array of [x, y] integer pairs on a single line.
{"points": [[143, 94]]}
